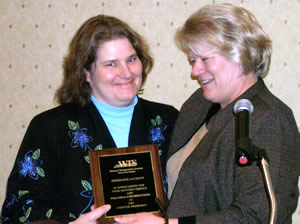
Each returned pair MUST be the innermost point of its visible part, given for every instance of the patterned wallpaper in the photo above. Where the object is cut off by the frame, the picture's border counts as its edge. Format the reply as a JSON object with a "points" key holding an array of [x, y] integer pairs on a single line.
{"points": [[34, 36]]}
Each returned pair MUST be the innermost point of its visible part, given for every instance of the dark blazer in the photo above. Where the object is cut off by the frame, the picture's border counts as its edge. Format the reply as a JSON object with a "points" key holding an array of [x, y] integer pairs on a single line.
{"points": [[51, 176], [211, 186]]}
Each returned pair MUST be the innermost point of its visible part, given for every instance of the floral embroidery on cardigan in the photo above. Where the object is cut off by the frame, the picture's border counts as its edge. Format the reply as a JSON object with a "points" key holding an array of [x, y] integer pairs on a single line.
{"points": [[31, 165], [80, 138], [87, 193], [13, 199], [98, 147], [156, 130], [71, 215], [49, 213], [156, 136], [24, 218]]}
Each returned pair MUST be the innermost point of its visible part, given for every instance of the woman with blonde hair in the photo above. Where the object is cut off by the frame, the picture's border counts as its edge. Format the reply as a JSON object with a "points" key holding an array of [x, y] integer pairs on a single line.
{"points": [[229, 53]]}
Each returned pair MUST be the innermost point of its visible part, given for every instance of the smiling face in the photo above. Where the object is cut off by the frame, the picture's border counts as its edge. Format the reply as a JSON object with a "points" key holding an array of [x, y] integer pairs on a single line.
{"points": [[116, 75], [222, 80]]}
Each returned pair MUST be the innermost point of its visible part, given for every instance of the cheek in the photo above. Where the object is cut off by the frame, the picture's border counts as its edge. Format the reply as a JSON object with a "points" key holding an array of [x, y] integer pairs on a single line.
{"points": [[215, 68], [104, 76], [138, 69], [109, 76], [138, 76], [223, 72], [139, 73]]}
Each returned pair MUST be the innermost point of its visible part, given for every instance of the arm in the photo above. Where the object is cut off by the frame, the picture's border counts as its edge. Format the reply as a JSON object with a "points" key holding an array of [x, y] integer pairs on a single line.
{"points": [[32, 186]]}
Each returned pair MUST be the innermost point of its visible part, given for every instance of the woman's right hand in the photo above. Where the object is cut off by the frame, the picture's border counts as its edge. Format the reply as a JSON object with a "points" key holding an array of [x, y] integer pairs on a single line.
{"points": [[140, 218], [92, 216]]}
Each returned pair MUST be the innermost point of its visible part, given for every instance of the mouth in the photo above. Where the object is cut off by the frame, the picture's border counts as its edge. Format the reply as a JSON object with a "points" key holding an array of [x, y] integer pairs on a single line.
{"points": [[125, 85], [206, 81]]}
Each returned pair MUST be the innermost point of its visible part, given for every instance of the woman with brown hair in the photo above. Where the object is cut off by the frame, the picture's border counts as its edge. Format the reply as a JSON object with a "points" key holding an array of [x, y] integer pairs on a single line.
{"points": [[104, 70]]}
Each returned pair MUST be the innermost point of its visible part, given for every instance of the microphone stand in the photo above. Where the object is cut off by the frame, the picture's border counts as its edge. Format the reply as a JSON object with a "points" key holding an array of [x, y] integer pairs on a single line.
{"points": [[252, 153]]}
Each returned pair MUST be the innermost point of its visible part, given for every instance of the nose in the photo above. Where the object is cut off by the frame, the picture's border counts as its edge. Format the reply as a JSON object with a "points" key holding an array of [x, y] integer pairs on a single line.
{"points": [[125, 72], [198, 68]]}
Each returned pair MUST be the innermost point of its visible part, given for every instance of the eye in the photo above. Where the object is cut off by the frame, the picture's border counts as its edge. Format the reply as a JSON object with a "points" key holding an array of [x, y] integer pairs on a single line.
{"points": [[132, 58], [110, 64], [191, 60], [204, 59]]}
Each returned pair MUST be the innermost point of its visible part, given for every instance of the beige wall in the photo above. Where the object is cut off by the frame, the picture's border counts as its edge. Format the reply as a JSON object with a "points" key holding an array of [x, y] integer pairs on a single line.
{"points": [[34, 35]]}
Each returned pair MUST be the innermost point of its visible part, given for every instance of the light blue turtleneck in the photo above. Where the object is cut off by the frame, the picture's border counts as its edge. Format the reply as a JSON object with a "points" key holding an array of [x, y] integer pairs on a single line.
{"points": [[117, 120]]}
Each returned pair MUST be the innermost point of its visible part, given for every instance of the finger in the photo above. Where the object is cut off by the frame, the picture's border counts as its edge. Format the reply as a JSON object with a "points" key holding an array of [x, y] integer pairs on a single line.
{"points": [[124, 219], [98, 212]]}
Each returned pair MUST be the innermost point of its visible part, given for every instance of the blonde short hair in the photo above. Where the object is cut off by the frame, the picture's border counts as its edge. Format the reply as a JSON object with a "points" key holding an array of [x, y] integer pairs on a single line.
{"points": [[233, 31]]}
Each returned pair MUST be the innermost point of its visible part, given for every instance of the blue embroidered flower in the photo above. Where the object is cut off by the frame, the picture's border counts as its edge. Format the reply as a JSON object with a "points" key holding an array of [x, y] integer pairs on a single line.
{"points": [[4, 219], [80, 138], [156, 130], [11, 200], [27, 212], [87, 193], [31, 165]]}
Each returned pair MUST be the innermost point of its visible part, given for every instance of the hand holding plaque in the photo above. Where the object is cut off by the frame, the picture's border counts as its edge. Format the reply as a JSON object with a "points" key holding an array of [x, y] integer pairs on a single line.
{"points": [[129, 179]]}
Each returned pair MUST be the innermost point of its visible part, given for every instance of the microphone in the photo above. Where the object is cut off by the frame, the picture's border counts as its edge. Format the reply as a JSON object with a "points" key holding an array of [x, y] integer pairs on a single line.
{"points": [[243, 109]]}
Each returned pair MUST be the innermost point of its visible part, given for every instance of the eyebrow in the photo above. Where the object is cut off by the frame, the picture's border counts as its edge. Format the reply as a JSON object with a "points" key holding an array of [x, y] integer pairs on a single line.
{"points": [[106, 61], [115, 60], [133, 55], [201, 55]]}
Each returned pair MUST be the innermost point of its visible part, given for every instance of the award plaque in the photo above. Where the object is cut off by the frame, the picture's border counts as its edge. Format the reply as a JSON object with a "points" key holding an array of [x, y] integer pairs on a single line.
{"points": [[129, 179]]}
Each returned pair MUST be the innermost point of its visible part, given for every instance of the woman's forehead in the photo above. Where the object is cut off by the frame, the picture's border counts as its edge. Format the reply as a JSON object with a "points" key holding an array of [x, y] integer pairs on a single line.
{"points": [[202, 48]]}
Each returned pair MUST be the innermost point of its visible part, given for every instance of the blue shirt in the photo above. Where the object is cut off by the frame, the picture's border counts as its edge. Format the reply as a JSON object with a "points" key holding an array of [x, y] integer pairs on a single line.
{"points": [[117, 120]]}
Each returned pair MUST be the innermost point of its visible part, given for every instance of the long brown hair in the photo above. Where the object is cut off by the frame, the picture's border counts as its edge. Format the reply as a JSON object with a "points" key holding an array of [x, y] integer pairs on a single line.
{"points": [[82, 54]]}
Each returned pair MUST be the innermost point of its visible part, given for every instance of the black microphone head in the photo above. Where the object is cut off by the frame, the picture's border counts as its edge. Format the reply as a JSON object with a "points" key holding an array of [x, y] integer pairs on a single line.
{"points": [[243, 104]]}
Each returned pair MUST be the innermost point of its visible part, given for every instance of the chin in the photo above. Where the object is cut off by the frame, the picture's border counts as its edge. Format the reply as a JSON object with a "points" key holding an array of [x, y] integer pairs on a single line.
{"points": [[126, 100], [209, 98]]}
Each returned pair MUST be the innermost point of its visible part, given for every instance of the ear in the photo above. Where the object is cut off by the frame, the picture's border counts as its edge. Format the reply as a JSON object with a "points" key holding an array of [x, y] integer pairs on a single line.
{"points": [[87, 75]]}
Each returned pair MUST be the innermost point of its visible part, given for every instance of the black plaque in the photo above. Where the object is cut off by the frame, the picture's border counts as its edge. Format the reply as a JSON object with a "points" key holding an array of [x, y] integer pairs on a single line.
{"points": [[129, 179]]}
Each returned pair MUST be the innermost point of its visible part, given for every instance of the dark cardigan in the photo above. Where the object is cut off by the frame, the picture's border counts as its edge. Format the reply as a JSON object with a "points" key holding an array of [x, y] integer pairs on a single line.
{"points": [[51, 176]]}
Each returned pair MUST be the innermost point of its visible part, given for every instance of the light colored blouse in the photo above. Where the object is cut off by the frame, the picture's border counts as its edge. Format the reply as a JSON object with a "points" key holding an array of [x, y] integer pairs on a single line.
{"points": [[175, 162]]}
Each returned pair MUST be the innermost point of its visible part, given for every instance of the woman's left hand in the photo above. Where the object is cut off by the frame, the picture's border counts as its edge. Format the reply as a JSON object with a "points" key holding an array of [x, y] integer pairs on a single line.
{"points": [[140, 218]]}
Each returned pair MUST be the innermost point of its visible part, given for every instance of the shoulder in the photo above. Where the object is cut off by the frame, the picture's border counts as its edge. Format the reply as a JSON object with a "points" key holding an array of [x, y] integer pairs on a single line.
{"points": [[196, 101], [56, 119], [58, 113], [196, 96], [267, 103], [273, 117], [264, 101], [195, 108]]}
